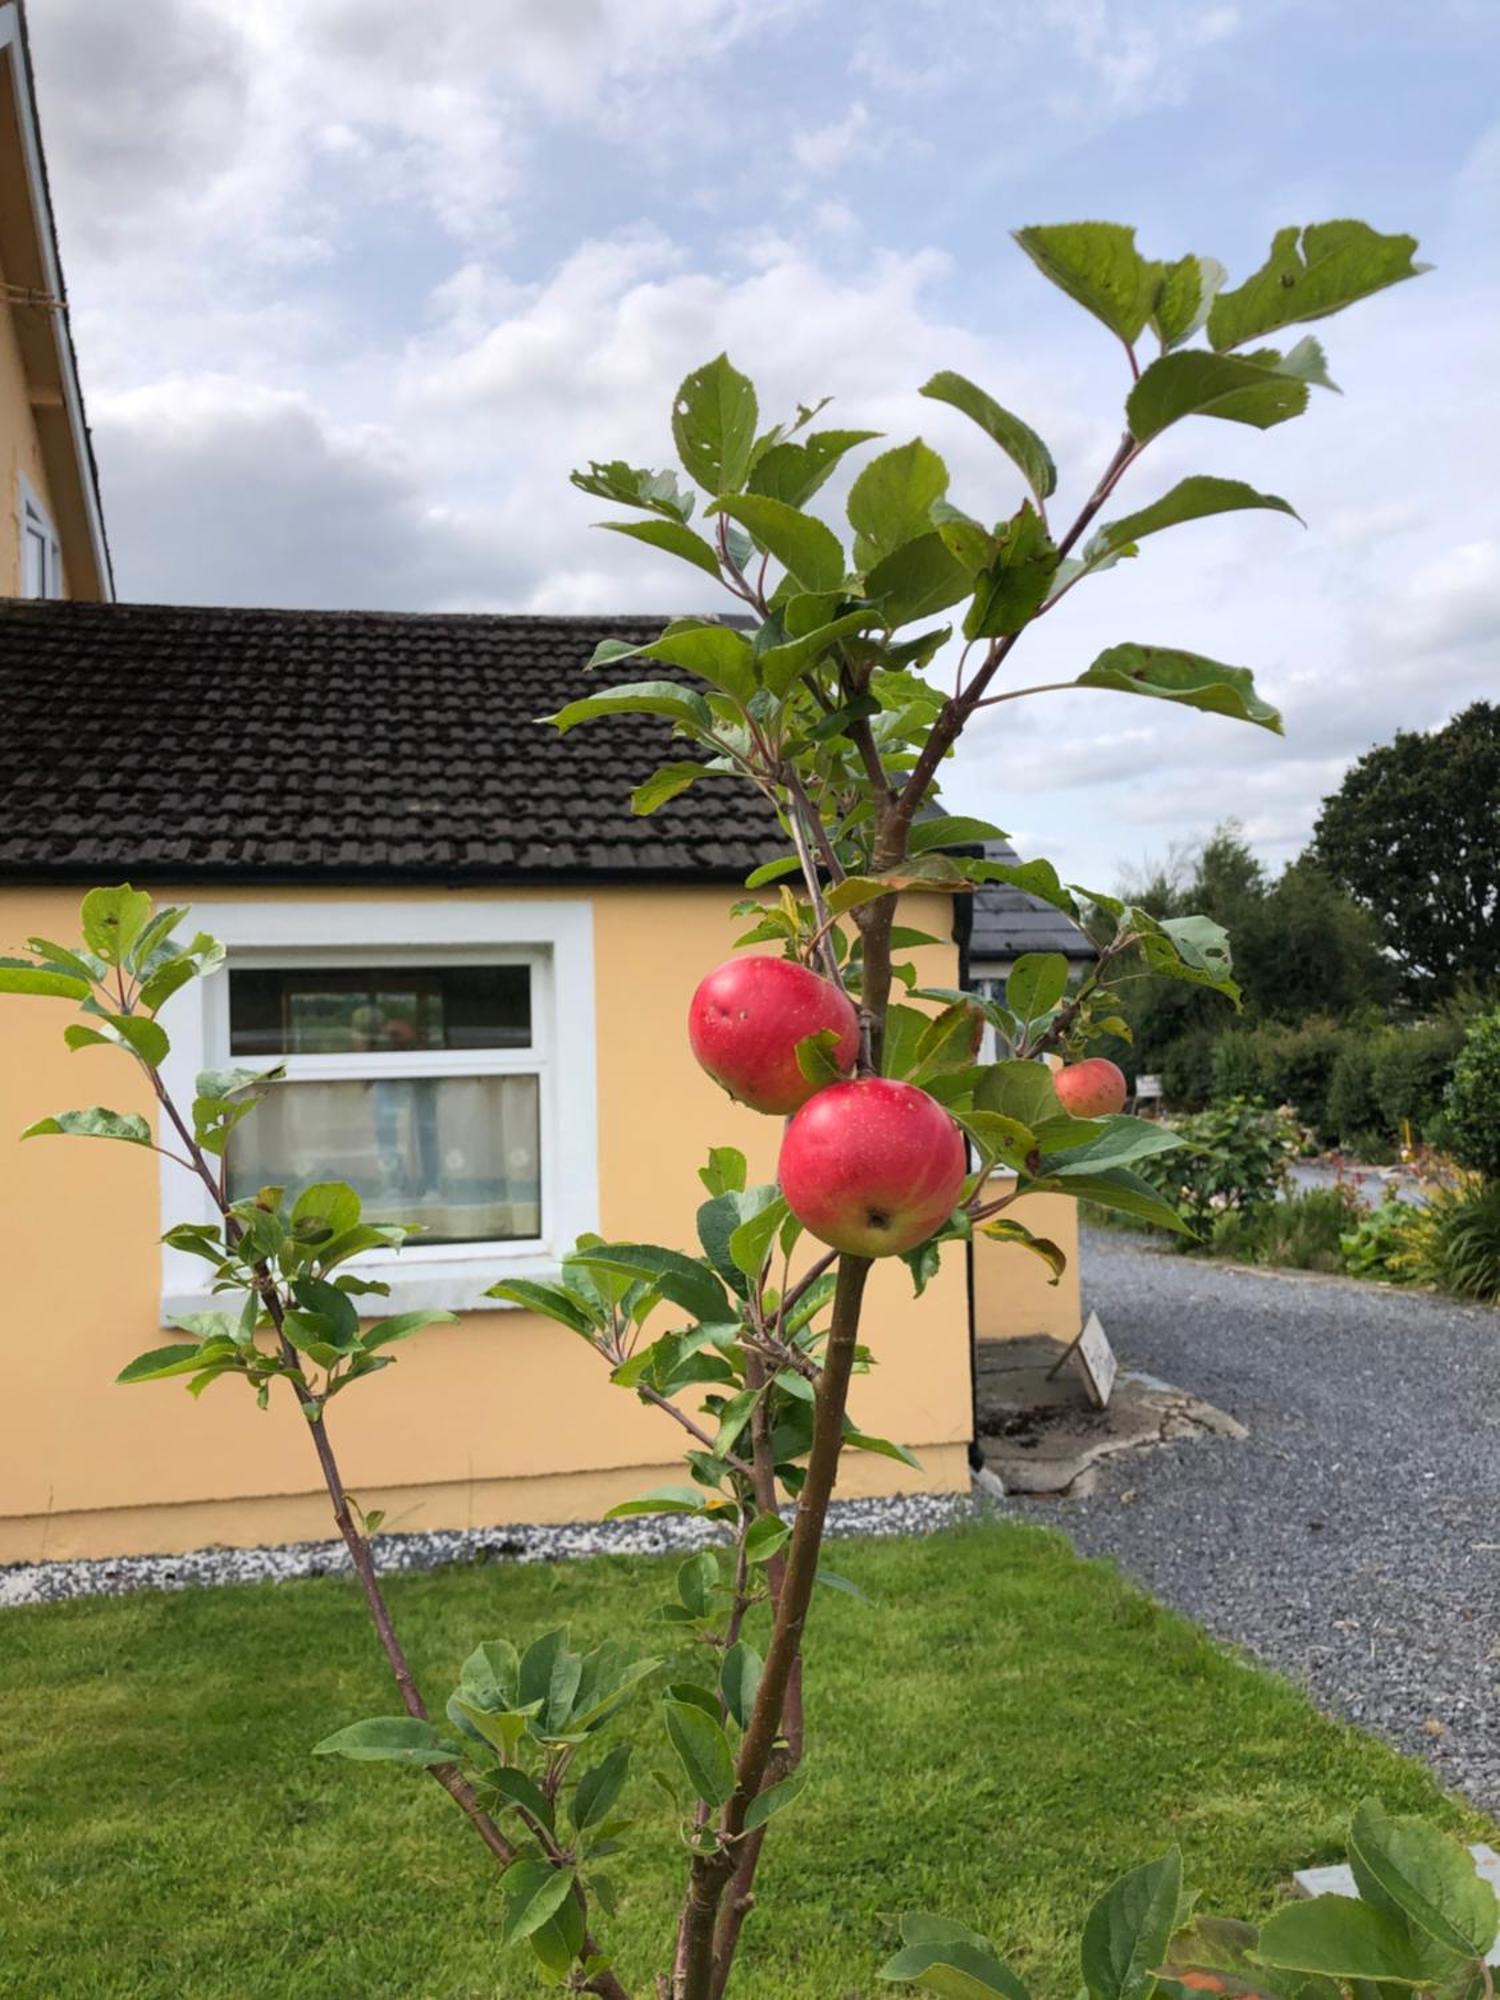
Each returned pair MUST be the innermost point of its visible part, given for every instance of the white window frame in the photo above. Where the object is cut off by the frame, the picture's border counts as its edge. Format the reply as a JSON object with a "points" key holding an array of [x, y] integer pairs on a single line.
{"points": [[35, 518], [555, 938]]}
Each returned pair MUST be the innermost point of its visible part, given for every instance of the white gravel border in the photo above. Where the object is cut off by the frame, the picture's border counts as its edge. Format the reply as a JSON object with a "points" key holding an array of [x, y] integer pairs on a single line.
{"points": [[532, 1542]]}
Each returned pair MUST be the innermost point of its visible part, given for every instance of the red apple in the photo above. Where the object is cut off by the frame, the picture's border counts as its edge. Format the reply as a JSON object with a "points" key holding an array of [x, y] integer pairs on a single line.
{"points": [[1092, 1089], [873, 1166], [747, 1018]]}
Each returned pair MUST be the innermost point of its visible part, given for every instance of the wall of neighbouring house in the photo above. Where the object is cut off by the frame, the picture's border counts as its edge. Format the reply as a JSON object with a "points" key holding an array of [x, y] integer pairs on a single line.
{"points": [[502, 1417], [20, 451], [1013, 1292]]}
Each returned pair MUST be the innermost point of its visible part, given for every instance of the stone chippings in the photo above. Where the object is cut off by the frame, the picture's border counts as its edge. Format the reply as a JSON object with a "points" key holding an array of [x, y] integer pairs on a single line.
{"points": [[639, 1535], [1353, 1541]]}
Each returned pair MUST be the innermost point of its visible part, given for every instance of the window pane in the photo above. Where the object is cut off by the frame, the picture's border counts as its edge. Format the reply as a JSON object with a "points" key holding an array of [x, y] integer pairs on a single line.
{"points": [[342, 1011], [458, 1154], [34, 563]]}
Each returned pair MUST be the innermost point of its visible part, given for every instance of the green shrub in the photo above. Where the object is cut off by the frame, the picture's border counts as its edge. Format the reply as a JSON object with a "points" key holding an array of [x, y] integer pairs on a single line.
{"points": [[1353, 1107], [1472, 1103], [1304, 1233], [1235, 1159], [1469, 1242], [1299, 1066], [1382, 1243], [1187, 1070], [1412, 1068], [1238, 1067]]}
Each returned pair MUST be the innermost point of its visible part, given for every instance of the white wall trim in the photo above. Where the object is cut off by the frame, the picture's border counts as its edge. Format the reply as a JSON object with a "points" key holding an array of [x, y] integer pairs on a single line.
{"points": [[13, 49], [450, 1276]]}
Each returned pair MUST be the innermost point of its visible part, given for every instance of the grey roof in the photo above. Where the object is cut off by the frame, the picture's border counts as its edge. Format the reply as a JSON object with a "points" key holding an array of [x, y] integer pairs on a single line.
{"points": [[1007, 922]]}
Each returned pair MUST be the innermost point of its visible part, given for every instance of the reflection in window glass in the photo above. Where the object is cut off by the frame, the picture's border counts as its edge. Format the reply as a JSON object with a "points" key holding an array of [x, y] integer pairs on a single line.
{"points": [[459, 1155], [364, 1010]]}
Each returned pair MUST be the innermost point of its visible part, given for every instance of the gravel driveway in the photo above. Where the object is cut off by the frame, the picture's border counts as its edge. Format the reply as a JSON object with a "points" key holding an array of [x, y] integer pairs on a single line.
{"points": [[1354, 1540]]}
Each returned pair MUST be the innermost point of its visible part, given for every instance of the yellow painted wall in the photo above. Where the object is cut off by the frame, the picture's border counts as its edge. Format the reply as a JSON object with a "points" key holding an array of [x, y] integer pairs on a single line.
{"points": [[20, 451], [1012, 1296], [502, 1417]]}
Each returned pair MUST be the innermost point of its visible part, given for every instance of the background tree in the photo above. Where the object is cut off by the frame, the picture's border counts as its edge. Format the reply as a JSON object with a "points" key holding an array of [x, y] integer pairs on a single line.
{"points": [[1413, 832]]}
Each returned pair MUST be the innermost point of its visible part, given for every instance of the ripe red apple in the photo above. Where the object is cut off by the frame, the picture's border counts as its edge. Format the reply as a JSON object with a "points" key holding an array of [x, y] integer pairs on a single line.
{"points": [[1092, 1089], [873, 1166], [747, 1018]]}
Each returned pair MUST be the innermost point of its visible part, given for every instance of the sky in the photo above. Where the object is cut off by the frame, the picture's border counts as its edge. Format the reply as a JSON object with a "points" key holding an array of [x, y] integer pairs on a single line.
{"points": [[355, 283]]}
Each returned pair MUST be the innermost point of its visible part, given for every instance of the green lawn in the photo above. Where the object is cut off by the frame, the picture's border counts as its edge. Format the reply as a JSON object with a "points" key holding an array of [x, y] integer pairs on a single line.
{"points": [[1002, 1733]]}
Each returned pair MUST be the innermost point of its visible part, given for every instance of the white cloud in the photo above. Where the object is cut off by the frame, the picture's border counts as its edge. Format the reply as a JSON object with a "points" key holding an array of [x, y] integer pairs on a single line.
{"points": [[828, 147]]}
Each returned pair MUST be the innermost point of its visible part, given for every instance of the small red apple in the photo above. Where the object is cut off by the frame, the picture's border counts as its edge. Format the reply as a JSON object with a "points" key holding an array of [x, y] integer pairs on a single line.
{"points": [[1091, 1089], [872, 1166], [747, 1018]]}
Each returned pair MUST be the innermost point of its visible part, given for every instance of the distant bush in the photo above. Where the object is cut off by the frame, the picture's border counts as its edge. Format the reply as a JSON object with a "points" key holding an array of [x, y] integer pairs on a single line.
{"points": [[1472, 1103], [1238, 1067], [1383, 1242], [1353, 1107], [1187, 1070], [1234, 1160], [1411, 1071], [1303, 1233], [1299, 1066]]}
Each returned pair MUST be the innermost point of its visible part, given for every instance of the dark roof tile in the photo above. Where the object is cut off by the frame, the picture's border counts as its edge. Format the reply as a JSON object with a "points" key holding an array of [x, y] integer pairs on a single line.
{"points": [[158, 741]]}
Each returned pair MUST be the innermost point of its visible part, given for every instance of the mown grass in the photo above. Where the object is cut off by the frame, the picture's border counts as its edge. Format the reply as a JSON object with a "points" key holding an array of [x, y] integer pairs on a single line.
{"points": [[1003, 1732]]}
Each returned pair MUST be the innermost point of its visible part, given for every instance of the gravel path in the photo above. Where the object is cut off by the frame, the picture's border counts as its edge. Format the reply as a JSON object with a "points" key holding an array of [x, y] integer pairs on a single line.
{"points": [[1354, 1540]]}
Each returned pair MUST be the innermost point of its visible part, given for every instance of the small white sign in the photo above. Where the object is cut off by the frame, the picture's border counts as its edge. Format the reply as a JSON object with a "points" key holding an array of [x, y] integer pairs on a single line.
{"points": [[1098, 1358]]}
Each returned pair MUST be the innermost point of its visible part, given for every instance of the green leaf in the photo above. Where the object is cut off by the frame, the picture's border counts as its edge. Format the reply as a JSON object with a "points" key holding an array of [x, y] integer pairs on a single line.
{"points": [[684, 1281], [891, 500], [555, 1301], [675, 537], [954, 1970], [666, 698], [766, 1534], [22, 975], [1097, 264], [113, 919], [1015, 586], [1019, 1090], [802, 544], [1036, 878], [999, 1136], [1190, 500], [703, 1750], [780, 666], [394, 1739], [1414, 1872], [181, 1358], [95, 1123], [401, 1326], [950, 830], [859, 1440], [662, 1500], [663, 785], [1123, 1141], [1340, 1937], [1005, 1230], [750, 1244], [1126, 1934], [490, 1674], [534, 1891], [696, 1581], [714, 416], [774, 1799], [324, 1211], [725, 1172], [1037, 981], [598, 1788], [1256, 389], [632, 486], [1188, 678], [1119, 1188], [83, 966], [1017, 440], [739, 1677], [917, 579], [1184, 297], [1309, 274], [793, 471], [817, 1056]]}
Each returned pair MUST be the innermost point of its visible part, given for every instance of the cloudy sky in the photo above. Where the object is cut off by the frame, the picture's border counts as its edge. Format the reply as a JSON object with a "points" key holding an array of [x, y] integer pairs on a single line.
{"points": [[357, 281]]}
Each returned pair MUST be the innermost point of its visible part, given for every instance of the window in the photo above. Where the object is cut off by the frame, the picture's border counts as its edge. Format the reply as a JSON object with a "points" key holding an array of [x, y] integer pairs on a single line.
{"points": [[441, 1061], [41, 559]]}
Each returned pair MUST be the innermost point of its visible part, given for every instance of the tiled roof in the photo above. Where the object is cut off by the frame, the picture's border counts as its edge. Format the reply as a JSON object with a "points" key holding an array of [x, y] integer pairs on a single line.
{"points": [[1008, 922], [179, 743]]}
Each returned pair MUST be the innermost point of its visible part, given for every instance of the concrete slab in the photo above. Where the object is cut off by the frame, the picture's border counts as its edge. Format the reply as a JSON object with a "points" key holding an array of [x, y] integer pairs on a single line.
{"points": [[1041, 1434]]}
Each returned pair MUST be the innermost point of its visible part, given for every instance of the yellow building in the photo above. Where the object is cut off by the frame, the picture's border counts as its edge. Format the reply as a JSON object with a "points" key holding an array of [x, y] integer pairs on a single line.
{"points": [[51, 527], [476, 962]]}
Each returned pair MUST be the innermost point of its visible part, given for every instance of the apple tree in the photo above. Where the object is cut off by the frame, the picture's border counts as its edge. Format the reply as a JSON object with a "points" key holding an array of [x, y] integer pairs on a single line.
{"points": [[856, 657]]}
